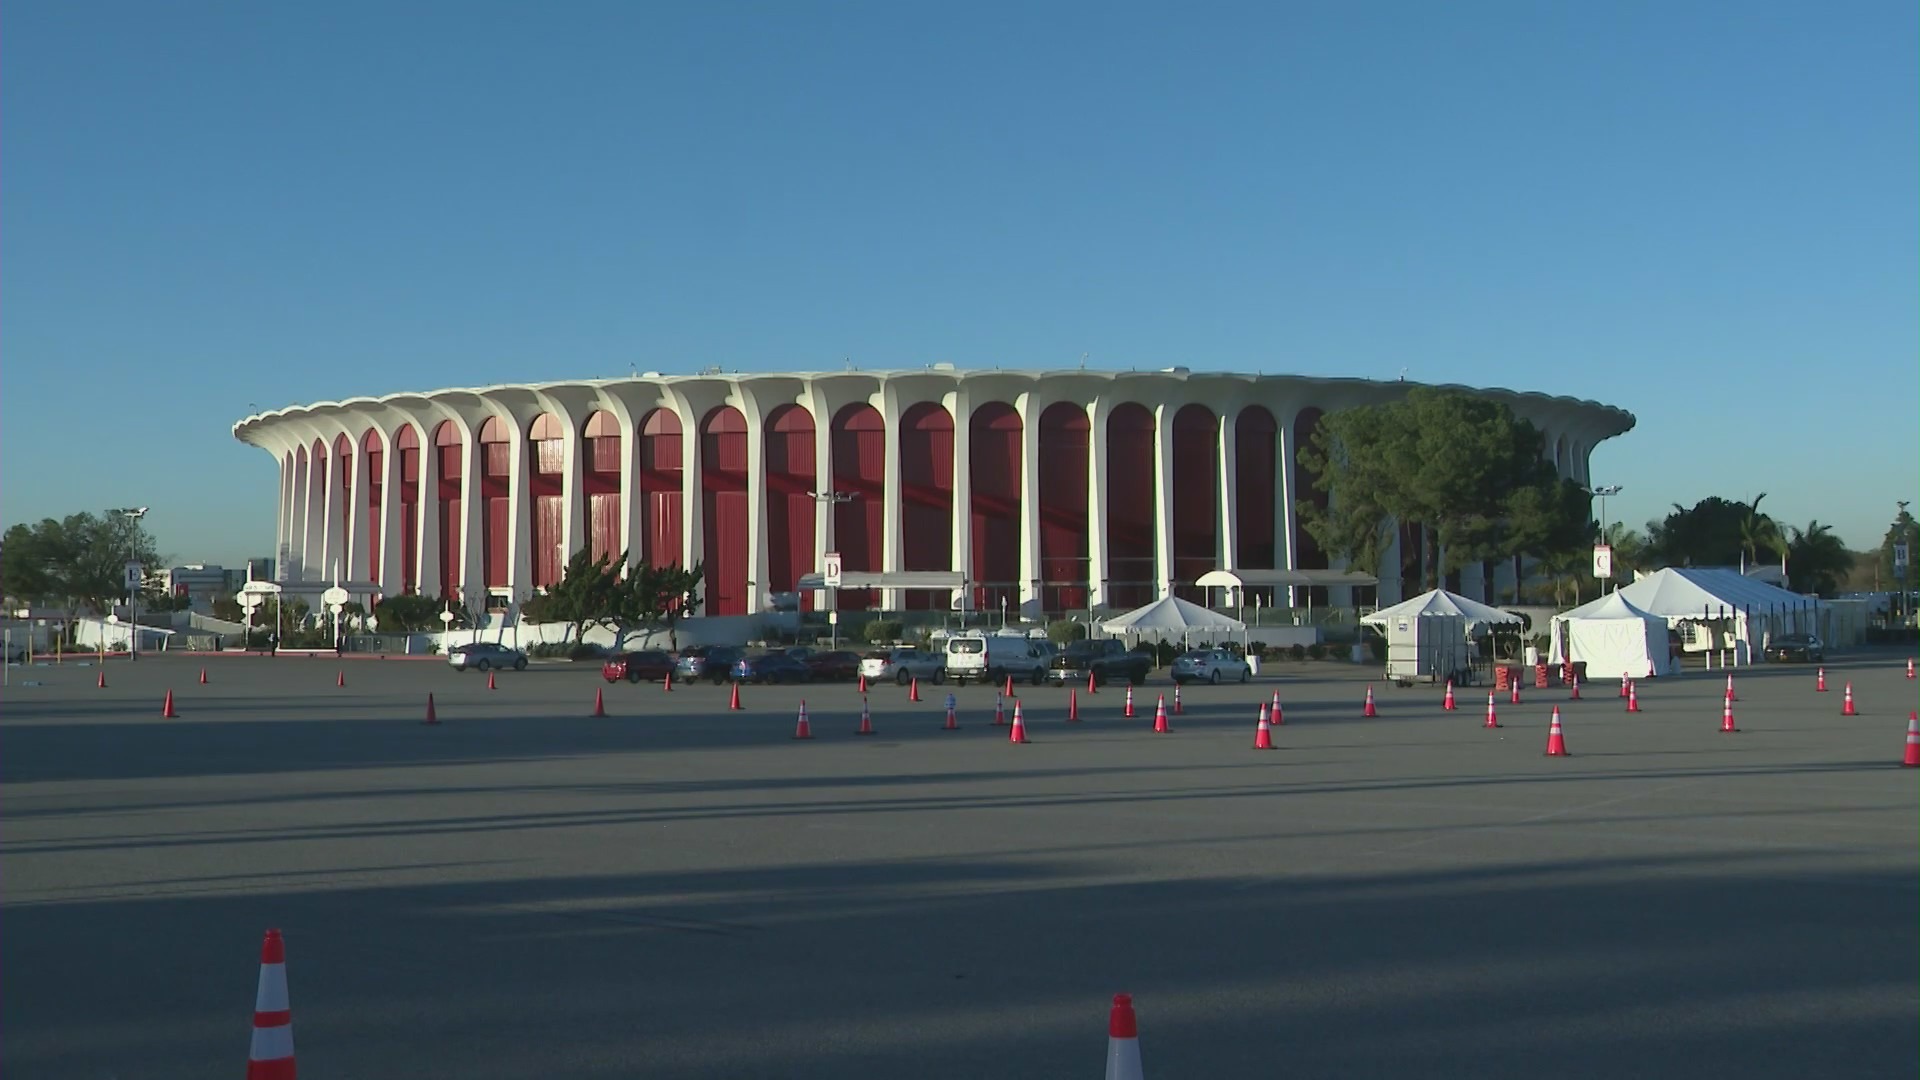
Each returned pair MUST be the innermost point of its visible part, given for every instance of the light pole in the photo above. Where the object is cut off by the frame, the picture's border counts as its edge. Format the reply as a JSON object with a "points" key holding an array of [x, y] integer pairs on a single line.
{"points": [[832, 499], [1603, 491], [134, 514], [1901, 570]]}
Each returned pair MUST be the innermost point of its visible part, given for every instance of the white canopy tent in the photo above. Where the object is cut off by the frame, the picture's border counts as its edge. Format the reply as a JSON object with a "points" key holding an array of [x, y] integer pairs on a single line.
{"points": [[1172, 617], [1733, 611], [1442, 602], [1609, 635]]}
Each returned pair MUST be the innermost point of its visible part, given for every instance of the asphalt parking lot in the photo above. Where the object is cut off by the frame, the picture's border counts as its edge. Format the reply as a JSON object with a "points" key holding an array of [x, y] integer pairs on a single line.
{"points": [[677, 890]]}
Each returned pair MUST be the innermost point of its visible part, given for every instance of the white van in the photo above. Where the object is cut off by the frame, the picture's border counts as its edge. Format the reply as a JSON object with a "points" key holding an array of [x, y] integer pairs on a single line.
{"points": [[976, 656]]}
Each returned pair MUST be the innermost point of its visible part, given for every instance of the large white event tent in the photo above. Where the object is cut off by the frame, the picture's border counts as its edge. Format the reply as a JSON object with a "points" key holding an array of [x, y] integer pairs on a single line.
{"points": [[1442, 602], [1740, 612], [1611, 634], [1172, 616]]}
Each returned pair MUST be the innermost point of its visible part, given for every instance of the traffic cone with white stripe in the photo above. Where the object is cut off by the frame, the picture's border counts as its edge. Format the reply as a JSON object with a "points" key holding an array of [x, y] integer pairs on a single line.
{"points": [[203, 676], [1556, 739], [1177, 710], [999, 710], [1008, 691], [1846, 708], [340, 677], [1276, 708], [1263, 735], [1493, 718], [802, 729], [1909, 667], [1731, 696], [166, 708], [953, 720], [733, 702], [271, 1055], [1726, 717], [1123, 1041], [1625, 681], [1019, 732], [1160, 716], [1446, 704], [1633, 697], [1912, 760], [1129, 712], [913, 689], [599, 701], [1513, 691], [1093, 683], [866, 718], [1073, 705], [1820, 681], [1369, 709], [1573, 683]]}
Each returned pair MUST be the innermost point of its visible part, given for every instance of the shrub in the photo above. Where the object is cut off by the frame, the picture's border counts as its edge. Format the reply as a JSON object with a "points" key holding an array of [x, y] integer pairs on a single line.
{"points": [[1165, 653], [1257, 648], [1297, 652], [884, 631], [1316, 651], [1066, 631]]}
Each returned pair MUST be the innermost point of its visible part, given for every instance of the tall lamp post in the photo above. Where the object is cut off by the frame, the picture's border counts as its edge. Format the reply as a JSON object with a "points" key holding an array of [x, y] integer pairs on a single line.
{"points": [[133, 514], [1603, 491], [1900, 570], [830, 500]]}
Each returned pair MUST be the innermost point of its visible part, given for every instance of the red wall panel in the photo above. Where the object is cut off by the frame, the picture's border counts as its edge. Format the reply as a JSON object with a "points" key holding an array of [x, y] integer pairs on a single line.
{"points": [[858, 437], [1130, 506], [549, 519], [407, 442], [926, 495], [447, 448], [1063, 506], [790, 509], [1196, 501], [1306, 551], [994, 517], [723, 488], [376, 490], [1256, 455], [603, 514], [661, 463]]}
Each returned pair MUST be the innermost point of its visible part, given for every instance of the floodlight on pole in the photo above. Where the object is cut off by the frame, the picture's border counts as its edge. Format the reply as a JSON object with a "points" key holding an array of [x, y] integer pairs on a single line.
{"points": [[133, 514]]}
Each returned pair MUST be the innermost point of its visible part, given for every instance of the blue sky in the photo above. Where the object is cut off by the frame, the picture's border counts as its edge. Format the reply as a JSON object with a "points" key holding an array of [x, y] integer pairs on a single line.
{"points": [[1703, 213]]}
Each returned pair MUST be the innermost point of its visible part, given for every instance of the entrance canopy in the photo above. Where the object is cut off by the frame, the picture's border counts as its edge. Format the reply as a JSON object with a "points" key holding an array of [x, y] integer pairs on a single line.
{"points": [[1442, 602]]}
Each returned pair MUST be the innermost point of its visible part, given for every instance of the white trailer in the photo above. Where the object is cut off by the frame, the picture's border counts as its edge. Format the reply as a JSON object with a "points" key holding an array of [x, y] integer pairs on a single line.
{"points": [[1433, 648]]}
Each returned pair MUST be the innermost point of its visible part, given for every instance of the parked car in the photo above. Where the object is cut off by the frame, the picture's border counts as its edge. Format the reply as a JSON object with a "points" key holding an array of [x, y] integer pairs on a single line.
{"points": [[770, 667], [1104, 661], [1802, 647], [485, 656], [649, 664], [712, 662], [975, 655], [903, 664], [835, 665], [1210, 666]]}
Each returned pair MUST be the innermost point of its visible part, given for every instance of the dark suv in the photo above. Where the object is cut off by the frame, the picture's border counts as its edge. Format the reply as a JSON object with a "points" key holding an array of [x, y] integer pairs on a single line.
{"points": [[1104, 661], [711, 662]]}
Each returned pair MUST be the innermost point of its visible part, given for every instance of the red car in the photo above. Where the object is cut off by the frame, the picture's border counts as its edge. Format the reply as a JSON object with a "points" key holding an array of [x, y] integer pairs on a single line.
{"points": [[650, 664], [827, 666]]}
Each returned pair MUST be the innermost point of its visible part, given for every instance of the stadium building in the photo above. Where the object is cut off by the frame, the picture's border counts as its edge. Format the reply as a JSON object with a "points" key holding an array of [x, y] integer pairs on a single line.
{"points": [[1040, 491]]}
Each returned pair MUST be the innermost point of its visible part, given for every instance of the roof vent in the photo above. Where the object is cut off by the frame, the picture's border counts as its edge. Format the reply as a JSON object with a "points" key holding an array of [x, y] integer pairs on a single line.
{"points": [[943, 365], [649, 374], [1177, 370]]}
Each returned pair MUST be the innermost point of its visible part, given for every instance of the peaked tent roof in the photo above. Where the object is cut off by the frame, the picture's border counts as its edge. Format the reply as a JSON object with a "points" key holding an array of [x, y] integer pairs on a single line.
{"points": [[1610, 606], [1687, 592], [1168, 614], [1442, 602]]}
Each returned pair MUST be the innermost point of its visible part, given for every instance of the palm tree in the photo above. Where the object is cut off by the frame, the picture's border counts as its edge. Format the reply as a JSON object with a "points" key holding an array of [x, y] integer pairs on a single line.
{"points": [[1757, 531], [1630, 550], [1817, 560]]}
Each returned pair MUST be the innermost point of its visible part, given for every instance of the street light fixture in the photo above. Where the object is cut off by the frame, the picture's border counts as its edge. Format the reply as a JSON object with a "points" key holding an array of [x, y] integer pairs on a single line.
{"points": [[1603, 491], [133, 514], [834, 498]]}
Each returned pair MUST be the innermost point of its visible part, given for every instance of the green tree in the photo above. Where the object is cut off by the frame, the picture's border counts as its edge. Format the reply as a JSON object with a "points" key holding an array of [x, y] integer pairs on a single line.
{"points": [[1817, 561], [1902, 531], [77, 562], [1712, 532], [1462, 467], [226, 607], [407, 613], [659, 596]]}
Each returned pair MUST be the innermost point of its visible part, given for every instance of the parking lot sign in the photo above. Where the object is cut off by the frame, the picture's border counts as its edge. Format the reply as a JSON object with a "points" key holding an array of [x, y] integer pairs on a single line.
{"points": [[830, 566]]}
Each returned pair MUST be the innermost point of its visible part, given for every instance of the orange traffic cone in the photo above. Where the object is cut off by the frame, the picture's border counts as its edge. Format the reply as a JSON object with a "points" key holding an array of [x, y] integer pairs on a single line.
{"points": [[1633, 697], [599, 702], [1726, 717], [1625, 681], [999, 710], [913, 689], [1493, 718], [166, 708], [1019, 732], [802, 729], [203, 676], [866, 718], [102, 683], [340, 677], [733, 702], [953, 721], [1263, 735], [1731, 696], [1123, 1041], [1820, 682], [1009, 688], [271, 1055], [432, 717], [1369, 710], [1847, 709], [490, 684], [1073, 706], [1912, 760], [1177, 710], [1513, 692], [1093, 684], [666, 682], [1573, 683], [1129, 711], [1556, 740], [1909, 667], [1446, 703], [1160, 716], [863, 683], [1276, 708]]}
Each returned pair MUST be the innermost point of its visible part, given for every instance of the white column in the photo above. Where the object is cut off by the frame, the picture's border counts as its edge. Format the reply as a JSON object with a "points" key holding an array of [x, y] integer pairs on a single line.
{"points": [[392, 572], [314, 548], [1097, 572], [1030, 567], [283, 534], [692, 505], [759, 559], [891, 557], [960, 523], [1226, 555], [1163, 498], [519, 538], [427, 544], [356, 568], [333, 545], [823, 481], [632, 511], [575, 533], [1286, 552]]}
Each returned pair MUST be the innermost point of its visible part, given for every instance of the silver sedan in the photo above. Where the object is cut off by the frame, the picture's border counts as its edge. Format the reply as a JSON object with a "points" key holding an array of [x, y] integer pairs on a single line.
{"points": [[1211, 666]]}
